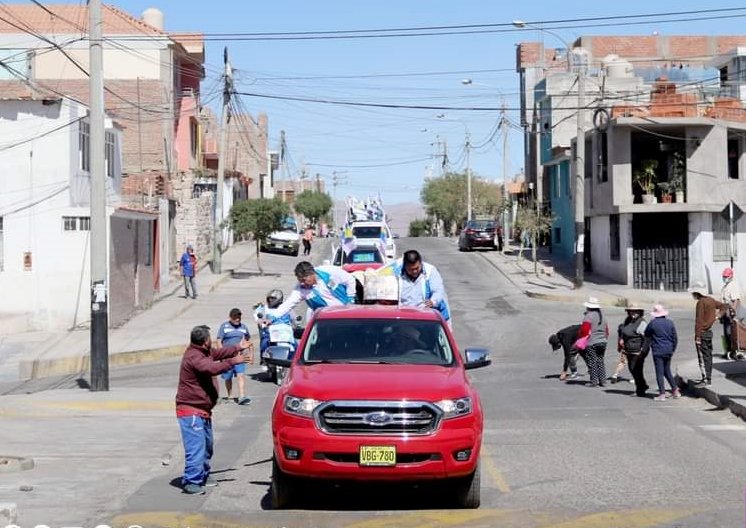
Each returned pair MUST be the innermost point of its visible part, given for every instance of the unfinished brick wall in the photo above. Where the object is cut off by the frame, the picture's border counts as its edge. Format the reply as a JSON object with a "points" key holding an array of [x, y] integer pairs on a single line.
{"points": [[193, 216]]}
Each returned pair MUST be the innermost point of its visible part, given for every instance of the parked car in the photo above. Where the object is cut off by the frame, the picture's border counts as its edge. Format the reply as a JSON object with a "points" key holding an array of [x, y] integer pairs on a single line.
{"points": [[375, 231], [478, 234], [286, 240], [363, 257], [377, 393]]}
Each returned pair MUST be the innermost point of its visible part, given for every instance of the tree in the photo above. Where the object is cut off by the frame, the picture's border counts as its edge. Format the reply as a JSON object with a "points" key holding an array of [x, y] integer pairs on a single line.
{"points": [[313, 205], [258, 218], [419, 228], [535, 224], [445, 198]]}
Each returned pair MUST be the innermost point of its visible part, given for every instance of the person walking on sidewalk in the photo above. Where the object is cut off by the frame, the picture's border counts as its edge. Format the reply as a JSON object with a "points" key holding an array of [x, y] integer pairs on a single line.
{"points": [[631, 340], [663, 341], [730, 295], [232, 332], [188, 268], [565, 338], [706, 313], [307, 239], [593, 337], [196, 396]]}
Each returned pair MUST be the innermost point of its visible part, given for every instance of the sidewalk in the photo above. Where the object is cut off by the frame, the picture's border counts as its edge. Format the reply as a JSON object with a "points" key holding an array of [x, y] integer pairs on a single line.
{"points": [[554, 283], [728, 389], [37, 355]]}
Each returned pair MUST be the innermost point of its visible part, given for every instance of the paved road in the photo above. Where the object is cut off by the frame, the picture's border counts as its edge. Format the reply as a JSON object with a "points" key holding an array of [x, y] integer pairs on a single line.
{"points": [[555, 454]]}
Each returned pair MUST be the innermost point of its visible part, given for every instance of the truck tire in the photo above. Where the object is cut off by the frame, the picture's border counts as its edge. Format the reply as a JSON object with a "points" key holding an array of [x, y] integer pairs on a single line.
{"points": [[283, 487], [468, 490]]}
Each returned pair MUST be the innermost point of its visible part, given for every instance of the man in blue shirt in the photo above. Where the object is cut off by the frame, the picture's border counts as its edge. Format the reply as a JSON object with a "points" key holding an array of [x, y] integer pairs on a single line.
{"points": [[232, 332], [187, 266]]}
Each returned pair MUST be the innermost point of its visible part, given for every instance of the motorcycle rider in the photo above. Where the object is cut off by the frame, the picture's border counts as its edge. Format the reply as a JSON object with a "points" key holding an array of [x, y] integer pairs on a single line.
{"points": [[273, 299], [319, 286]]}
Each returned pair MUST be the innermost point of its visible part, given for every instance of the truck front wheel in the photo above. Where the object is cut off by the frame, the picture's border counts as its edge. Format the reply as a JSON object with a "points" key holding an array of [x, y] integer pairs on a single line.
{"points": [[283, 487], [468, 490]]}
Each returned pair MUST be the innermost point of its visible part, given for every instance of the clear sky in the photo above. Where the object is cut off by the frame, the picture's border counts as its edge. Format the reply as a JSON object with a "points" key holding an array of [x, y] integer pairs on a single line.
{"points": [[327, 138]]}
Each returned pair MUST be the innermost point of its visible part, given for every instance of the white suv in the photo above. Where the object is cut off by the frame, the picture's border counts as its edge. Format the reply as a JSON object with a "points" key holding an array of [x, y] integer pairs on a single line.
{"points": [[364, 231]]}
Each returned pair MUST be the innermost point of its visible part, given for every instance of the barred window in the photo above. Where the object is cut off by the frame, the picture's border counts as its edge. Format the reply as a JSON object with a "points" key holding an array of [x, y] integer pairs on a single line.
{"points": [[84, 145], [614, 242], [721, 239], [76, 223]]}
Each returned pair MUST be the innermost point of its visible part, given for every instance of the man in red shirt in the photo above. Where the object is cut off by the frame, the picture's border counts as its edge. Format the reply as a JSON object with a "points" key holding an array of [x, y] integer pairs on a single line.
{"points": [[196, 396]]}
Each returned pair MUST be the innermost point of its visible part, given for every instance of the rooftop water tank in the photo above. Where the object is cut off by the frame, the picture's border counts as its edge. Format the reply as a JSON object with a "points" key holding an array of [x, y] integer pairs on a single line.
{"points": [[153, 17], [615, 67]]}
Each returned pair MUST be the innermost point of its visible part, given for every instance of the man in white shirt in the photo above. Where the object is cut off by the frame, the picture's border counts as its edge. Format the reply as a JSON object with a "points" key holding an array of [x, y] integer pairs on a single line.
{"points": [[319, 287]]}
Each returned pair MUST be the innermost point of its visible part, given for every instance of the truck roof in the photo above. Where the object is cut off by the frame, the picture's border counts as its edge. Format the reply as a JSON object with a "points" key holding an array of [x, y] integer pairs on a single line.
{"points": [[375, 311]]}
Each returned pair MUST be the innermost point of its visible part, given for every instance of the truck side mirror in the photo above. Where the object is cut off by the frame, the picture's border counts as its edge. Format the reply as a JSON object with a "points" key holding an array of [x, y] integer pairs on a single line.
{"points": [[476, 358]]}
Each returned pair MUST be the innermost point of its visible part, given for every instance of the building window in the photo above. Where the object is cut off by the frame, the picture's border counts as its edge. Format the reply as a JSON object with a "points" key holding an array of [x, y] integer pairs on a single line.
{"points": [[734, 156], [76, 223], [603, 157], [721, 239], [84, 145], [2, 251], [557, 182], [614, 238], [557, 235], [110, 154]]}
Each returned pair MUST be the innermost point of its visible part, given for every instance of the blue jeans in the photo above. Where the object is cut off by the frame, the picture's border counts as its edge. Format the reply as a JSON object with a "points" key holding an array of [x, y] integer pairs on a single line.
{"points": [[663, 370], [196, 434]]}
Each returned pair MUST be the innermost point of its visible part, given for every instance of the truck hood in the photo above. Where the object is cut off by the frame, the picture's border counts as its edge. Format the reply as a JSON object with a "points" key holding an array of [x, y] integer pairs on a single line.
{"points": [[377, 382], [285, 235]]}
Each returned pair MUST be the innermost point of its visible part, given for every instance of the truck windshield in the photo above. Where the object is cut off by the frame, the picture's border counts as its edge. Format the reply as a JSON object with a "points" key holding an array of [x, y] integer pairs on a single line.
{"points": [[400, 341], [366, 231]]}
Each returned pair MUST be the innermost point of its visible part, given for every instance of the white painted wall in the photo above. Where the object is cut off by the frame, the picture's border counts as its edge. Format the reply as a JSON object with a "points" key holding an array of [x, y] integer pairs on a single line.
{"points": [[702, 267], [36, 179], [616, 270]]}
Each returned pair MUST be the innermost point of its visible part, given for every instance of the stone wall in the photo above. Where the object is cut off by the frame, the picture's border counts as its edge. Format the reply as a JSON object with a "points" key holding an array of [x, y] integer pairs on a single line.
{"points": [[194, 218]]}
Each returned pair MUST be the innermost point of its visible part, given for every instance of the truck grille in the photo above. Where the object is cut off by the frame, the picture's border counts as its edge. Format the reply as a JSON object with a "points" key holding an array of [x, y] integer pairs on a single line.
{"points": [[377, 417]]}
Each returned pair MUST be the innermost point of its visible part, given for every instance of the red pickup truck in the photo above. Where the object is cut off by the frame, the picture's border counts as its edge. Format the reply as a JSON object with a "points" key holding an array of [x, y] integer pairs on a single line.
{"points": [[377, 393]]}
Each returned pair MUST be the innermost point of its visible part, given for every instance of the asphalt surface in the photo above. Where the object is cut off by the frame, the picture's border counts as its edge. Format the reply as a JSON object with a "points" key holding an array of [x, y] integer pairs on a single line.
{"points": [[555, 454]]}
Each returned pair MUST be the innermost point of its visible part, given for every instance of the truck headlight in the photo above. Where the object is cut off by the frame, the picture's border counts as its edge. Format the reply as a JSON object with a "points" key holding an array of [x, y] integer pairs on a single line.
{"points": [[300, 406], [454, 408]]}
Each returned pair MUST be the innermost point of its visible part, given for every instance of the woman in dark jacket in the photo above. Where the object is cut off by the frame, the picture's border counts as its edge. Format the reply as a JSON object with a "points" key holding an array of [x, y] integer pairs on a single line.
{"points": [[663, 341], [631, 338]]}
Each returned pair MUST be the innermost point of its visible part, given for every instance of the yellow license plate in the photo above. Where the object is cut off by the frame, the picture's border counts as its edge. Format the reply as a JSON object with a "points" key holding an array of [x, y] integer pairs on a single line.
{"points": [[377, 455]]}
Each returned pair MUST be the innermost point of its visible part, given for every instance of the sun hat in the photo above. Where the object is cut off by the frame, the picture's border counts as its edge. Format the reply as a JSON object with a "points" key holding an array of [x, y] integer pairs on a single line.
{"points": [[727, 273], [659, 311], [698, 287], [633, 307], [592, 303]]}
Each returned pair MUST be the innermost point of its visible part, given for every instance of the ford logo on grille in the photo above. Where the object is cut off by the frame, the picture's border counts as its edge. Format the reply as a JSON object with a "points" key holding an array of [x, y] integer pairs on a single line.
{"points": [[378, 418]]}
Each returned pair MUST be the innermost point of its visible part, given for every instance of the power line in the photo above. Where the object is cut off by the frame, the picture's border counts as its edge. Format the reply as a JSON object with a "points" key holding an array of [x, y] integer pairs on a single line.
{"points": [[391, 164], [500, 27]]}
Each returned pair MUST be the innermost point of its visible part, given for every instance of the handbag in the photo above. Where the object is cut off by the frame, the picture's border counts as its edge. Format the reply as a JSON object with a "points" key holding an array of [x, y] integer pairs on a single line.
{"points": [[582, 343]]}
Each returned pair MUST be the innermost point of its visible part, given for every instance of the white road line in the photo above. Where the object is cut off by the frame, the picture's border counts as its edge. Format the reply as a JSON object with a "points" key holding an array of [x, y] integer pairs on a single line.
{"points": [[722, 427]]}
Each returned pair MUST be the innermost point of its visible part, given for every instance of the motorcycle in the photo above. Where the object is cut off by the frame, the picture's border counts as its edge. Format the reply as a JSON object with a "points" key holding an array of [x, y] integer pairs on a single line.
{"points": [[276, 333]]}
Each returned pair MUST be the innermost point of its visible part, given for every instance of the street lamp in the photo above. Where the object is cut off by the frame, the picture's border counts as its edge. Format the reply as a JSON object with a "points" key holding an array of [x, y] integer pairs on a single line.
{"points": [[579, 195], [467, 146]]}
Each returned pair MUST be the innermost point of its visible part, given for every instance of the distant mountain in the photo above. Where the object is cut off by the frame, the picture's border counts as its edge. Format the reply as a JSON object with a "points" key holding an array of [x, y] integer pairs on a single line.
{"points": [[401, 214]]}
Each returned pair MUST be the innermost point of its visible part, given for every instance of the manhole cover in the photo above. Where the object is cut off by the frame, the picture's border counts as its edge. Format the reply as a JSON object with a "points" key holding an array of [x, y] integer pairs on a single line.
{"points": [[11, 464]]}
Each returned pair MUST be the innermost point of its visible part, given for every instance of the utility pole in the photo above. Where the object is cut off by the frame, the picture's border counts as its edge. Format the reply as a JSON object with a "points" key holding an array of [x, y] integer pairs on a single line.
{"points": [[282, 164], [217, 242], [580, 177], [336, 180], [504, 127], [99, 291], [468, 175]]}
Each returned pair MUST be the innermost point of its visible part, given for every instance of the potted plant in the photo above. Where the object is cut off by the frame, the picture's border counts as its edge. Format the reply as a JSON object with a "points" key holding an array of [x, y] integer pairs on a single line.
{"points": [[646, 179], [676, 179], [667, 190]]}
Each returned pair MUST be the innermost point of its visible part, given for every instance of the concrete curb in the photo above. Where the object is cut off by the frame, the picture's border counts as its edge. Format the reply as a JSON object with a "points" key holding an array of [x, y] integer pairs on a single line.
{"points": [[720, 401], [44, 368], [611, 302]]}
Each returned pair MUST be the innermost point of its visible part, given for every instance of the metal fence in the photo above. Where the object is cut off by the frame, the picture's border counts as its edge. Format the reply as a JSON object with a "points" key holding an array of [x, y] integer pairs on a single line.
{"points": [[661, 268]]}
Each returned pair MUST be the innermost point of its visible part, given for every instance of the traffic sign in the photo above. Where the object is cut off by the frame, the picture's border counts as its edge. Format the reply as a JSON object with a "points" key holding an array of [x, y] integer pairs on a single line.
{"points": [[726, 212]]}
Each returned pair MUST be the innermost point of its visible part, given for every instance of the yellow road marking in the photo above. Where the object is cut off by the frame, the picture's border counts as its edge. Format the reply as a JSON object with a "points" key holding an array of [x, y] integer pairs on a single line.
{"points": [[497, 477], [173, 520], [428, 519], [643, 518], [112, 405]]}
